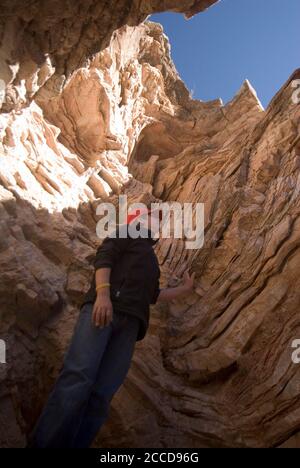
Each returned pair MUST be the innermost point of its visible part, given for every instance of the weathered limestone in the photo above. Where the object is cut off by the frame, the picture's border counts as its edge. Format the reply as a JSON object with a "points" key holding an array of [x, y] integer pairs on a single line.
{"points": [[94, 107]]}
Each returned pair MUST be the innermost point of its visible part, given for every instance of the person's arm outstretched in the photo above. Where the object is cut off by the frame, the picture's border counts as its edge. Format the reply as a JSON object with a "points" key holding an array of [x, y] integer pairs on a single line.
{"points": [[169, 294]]}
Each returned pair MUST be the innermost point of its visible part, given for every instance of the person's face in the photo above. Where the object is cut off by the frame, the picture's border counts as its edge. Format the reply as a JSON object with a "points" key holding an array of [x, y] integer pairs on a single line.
{"points": [[150, 221], [153, 222]]}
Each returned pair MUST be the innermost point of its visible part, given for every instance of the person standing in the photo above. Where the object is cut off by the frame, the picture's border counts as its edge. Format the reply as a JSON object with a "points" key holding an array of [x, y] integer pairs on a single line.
{"points": [[114, 315]]}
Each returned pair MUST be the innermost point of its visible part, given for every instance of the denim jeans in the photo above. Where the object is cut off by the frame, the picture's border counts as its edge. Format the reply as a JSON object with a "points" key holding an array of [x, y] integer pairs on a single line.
{"points": [[95, 365]]}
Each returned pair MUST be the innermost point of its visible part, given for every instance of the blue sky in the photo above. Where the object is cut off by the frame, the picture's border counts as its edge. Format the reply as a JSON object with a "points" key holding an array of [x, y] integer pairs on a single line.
{"points": [[215, 51]]}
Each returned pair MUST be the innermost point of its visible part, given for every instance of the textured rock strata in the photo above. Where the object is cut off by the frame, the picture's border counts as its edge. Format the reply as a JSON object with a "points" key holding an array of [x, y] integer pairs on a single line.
{"points": [[94, 107]]}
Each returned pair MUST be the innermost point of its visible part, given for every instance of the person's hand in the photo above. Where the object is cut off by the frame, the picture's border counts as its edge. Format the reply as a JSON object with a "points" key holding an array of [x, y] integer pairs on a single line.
{"points": [[188, 281], [103, 309]]}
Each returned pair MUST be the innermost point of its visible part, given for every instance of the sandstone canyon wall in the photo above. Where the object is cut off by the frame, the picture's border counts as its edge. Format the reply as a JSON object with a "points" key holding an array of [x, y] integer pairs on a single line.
{"points": [[93, 107]]}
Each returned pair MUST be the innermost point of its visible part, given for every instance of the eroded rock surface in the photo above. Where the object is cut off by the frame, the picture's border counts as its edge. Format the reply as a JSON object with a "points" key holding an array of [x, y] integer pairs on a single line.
{"points": [[93, 108]]}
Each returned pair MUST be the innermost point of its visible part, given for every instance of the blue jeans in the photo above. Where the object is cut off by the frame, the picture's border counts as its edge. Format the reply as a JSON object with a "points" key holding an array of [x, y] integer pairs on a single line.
{"points": [[94, 367]]}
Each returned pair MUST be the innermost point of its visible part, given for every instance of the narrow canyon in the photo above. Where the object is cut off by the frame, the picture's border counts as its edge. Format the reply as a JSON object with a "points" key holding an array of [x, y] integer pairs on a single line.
{"points": [[91, 107]]}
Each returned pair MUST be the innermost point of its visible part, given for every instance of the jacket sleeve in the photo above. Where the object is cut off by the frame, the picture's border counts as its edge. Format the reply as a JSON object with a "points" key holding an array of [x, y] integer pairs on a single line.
{"points": [[109, 251], [156, 293]]}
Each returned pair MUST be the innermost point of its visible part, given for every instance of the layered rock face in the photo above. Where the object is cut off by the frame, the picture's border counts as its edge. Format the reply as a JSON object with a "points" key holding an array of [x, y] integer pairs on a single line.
{"points": [[93, 107]]}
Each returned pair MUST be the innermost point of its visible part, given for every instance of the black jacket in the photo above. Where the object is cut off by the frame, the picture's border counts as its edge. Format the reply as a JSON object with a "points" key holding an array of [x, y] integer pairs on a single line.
{"points": [[135, 273]]}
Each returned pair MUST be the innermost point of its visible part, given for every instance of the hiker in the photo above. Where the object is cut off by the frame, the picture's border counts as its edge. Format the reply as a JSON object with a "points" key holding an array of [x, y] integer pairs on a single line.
{"points": [[113, 316]]}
